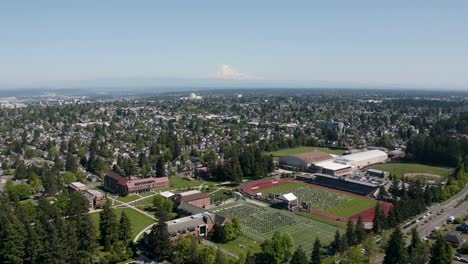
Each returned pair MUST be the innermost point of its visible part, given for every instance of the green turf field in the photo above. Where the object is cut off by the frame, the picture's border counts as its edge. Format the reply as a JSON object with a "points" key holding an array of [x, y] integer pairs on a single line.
{"points": [[297, 150], [138, 220], [259, 223], [181, 183], [323, 200], [242, 244], [400, 169]]}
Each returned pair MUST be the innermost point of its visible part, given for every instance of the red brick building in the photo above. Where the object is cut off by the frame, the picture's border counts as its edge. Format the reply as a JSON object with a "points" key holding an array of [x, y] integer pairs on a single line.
{"points": [[195, 197], [96, 198], [116, 183]]}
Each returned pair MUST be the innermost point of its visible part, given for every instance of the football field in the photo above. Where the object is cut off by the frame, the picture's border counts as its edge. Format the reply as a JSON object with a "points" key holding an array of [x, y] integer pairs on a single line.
{"points": [[259, 223], [323, 200]]}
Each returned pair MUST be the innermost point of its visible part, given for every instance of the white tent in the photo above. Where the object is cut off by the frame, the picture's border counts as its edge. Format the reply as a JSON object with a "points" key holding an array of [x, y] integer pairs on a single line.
{"points": [[288, 197]]}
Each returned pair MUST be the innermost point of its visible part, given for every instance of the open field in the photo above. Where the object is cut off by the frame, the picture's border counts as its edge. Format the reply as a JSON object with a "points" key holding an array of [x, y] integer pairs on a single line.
{"points": [[414, 170], [182, 183], [259, 223], [138, 220], [297, 150], [323, 200], [242, 244]]}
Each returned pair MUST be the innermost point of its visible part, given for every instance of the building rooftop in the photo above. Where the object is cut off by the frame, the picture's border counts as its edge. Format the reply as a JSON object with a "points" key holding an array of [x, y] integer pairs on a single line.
{"points": [[314, 156], [364, 155], [331, 165], [78, 185]]}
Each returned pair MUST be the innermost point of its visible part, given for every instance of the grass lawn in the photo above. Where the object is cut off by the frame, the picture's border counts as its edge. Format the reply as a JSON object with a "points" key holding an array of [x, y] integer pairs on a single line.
{"points": [[181, 183], [260, 223], [242, 244], [128, 198], [323, 200], [220, 195], [138, 220], [400, 169], [144, 203], [297, 150]]}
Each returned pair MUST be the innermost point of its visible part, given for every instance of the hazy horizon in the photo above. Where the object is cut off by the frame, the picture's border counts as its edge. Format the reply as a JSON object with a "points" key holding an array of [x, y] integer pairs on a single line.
{"points": [[363, 44]]}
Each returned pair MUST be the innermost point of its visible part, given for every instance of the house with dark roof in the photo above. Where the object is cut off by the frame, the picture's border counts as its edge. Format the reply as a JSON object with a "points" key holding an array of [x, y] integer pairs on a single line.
{"points": [[116, 183], [454, 238]]}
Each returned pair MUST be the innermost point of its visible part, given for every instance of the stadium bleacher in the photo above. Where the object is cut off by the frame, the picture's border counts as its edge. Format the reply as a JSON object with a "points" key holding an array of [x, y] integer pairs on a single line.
{"points": [[352, 186]]}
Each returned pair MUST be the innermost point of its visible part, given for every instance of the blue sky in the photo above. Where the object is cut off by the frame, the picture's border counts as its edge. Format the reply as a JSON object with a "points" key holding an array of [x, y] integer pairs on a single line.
{"points": [[414, 43]]}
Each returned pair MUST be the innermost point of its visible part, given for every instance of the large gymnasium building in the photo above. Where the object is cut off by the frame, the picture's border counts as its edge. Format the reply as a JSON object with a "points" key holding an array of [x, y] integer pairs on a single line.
{"points": [[318, 161]]}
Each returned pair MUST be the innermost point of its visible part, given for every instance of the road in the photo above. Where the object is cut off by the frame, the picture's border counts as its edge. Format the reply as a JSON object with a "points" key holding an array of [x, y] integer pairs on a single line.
{"points": [[448, 208]]}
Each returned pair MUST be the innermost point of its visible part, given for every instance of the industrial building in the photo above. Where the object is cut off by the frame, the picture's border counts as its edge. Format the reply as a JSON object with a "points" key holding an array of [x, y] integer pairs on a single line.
{"points": [[304, 161], [363, 159]]}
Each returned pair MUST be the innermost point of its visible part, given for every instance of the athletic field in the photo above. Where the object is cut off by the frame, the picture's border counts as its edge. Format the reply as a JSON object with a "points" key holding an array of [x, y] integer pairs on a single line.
{"points": [[297, 150], [259, 223], [323, 200], [415, 170]]}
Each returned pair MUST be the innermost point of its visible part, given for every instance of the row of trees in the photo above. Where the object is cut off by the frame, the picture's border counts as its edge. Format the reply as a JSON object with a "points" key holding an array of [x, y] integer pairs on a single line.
{"points": [[238, 163], [417, 252], [45, 233]]}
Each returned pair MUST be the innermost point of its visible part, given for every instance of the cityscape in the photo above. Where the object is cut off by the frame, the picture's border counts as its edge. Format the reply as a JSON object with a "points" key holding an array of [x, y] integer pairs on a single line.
{"points": [[336, 133]]}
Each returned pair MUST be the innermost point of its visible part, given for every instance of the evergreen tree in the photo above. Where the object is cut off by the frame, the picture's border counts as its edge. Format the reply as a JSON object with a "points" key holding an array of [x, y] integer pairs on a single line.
{"points": [[159, 245], [395, 252], [415, 241], [299, 256], [125, 229], [441, 252], [316, 256], [360, 231], [108, 227], [379, 220], [350, 235]]}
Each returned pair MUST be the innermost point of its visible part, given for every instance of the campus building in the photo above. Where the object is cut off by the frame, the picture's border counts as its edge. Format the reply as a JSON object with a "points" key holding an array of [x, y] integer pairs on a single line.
{"points": [[195, 197], [304, 161], [116, 183], [198, 225], [96, 198], [363, 159], [333, 168]]}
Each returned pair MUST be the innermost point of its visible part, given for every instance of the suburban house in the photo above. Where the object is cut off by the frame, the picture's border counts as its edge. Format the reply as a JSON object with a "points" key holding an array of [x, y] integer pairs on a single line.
{"points": [[96, 198], [118, 184], [454, 238]]}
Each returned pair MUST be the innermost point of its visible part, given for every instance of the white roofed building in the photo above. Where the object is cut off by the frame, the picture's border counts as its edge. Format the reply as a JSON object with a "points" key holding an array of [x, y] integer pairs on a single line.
{"points": [[363, 159]]}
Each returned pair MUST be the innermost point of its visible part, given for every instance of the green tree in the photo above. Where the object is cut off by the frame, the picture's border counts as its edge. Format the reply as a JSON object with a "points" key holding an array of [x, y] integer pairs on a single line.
{"points": [[379, 220], [125, 228], [108, 227], [299, 256], [350, 235], [360, 231], [279, 248], [441, 252], [395, 252], [353, 256], [316, 256], [159, 245]]}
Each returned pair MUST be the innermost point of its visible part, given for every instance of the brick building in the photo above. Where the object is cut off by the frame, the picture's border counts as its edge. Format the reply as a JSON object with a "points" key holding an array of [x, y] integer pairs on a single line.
{"points": [[196, 198], [116, 183], [96, 198]]}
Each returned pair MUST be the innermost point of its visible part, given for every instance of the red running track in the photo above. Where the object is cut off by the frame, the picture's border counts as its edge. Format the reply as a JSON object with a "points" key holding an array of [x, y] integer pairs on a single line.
{"points": [[252, 188]]}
